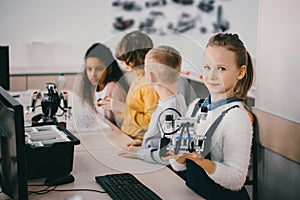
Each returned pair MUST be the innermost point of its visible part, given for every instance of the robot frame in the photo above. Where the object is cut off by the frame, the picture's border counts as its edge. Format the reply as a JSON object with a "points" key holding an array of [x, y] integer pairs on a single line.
{"points": [[182, 135], [50, 103]]}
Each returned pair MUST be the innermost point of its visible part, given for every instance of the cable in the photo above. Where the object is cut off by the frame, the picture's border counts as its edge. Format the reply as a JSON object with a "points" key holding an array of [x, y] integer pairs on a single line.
{"points": [[46, 190], [79, 189], [37, 185], [159, 121], [63, 111], [43, 191], [38, 106]]}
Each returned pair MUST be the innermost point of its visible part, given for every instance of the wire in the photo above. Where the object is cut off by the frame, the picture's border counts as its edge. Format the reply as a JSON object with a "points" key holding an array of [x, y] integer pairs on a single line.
{"points": [[43, 191], [36, 185], [79, 189], [49, 189], [63, 111], [160, 125]]}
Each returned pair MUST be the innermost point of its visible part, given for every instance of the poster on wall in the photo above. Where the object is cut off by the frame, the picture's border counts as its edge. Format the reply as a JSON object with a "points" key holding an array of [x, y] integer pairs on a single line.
{"points": [[195, 18]]}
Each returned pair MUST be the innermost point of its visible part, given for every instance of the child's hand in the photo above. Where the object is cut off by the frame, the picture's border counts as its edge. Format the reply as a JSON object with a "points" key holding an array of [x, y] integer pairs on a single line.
{"points": [[180, 158], [105, 103], [177, 161], [135, 142], [194, 157], [129, 152]]}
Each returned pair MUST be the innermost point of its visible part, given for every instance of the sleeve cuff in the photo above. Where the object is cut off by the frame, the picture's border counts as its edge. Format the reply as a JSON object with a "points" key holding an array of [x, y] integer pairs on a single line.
{"points": [[177, 166]]}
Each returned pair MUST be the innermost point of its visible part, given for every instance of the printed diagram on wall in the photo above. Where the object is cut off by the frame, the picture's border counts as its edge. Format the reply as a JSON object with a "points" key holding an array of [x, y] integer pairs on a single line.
{"points": [[192, 17]]}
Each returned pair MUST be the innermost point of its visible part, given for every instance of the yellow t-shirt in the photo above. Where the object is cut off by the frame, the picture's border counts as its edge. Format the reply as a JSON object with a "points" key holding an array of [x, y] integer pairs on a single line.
{"points": [[141, 102]]}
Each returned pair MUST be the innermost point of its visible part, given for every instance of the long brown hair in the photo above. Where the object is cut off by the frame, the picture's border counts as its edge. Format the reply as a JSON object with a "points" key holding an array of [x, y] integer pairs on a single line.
{"points": [[233, 43], [114, 73]]}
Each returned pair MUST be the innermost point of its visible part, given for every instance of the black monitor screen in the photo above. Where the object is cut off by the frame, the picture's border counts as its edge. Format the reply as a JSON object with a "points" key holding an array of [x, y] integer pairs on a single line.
{"points": [[4, 67], [12, 140]]}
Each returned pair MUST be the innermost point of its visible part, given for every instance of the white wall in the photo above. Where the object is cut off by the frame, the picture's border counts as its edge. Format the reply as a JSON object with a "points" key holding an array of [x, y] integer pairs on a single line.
{"points": [[52, 32], [44, 33], [278, 58]]}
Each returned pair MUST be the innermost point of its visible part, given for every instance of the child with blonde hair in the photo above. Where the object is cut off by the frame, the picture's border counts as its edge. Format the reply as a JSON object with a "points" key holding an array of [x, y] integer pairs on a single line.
{"points": [[220, 171], [162, 68]]}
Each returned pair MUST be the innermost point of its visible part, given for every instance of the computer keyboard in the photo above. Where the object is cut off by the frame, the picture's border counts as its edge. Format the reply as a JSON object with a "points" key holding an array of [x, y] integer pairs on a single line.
{"points": [[125, 186]]}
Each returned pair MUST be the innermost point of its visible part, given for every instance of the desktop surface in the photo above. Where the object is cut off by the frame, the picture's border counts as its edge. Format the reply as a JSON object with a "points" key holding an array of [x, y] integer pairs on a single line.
{"points": [[163, 182], [97, 155]]}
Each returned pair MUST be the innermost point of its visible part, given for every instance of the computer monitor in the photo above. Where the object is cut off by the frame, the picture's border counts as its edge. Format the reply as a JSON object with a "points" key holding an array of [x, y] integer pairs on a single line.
{"points": [[12, 151], [4, 67]]}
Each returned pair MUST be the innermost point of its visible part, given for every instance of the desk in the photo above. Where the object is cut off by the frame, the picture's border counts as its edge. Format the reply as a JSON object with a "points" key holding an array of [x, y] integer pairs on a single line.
{"points": [[98, 155], [91, 160]]}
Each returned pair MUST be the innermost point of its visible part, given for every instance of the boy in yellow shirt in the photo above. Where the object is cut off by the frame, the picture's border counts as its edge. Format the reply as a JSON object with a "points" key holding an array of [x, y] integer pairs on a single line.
{"points": [[141, 101]]}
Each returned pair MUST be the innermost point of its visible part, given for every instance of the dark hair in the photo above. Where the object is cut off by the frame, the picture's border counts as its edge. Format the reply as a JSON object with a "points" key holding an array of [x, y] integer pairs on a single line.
{"points": [[113, 71], [233, 43], [133, 48]]}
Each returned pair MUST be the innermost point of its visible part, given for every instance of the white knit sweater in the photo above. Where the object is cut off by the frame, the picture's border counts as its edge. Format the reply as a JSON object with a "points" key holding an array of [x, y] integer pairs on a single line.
{"points": [[231, 144], [151, 143]]}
